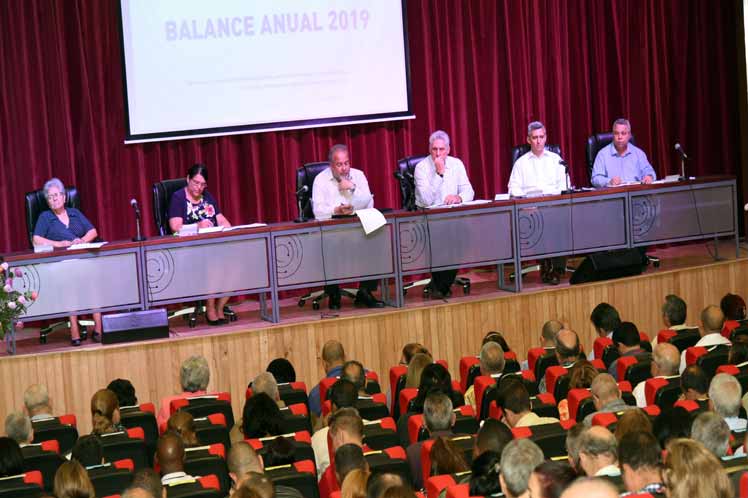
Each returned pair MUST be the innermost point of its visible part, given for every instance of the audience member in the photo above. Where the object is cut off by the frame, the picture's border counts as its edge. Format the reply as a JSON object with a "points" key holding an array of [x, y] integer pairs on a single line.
{"points": [[71, 481], [258, 485], [194, 377], [605, 319], [598, 454], [590, 487], [639, 455], [354, 372], [690, 470], [550, 479], [354, 484], [724, 399], [567, 352], [671, 423], [279, 451], [439, 419], [491, 364], [399, 492], [631, 421], [674, 313], [665, 360], [548, 333], [260, 417], [243, 460], [342, 394], [265, 383], [738, 354], [626, 340], [183, 424], [415, 369], [733, 307], [11, 458], [133, 492], [37, 403], [88, 451], [484, 476], [498, 338], [446, 458], [348, 458], [606, 396], [282, 370], [712, 431], [346, 427], [148, 482], [380, 482], [492, 436], [333, 358], [695, 384], [712, 320], [18, 428], [514, 400], [518, 460], [125, 392], [572, 445], [170, 457], [410, 350], [581, 376], [105, 413]]}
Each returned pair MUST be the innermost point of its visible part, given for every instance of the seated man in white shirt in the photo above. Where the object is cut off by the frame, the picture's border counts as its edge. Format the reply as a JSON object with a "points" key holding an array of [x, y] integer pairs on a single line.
{"points": [[540, 171], [665, 359], [724, 400], [441, 179], [712, 320], [341, 190]]}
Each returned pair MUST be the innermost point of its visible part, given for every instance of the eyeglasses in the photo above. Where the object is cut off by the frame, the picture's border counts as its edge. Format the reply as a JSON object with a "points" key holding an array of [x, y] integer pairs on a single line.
{"points": [[54, 196], [198, 184]]}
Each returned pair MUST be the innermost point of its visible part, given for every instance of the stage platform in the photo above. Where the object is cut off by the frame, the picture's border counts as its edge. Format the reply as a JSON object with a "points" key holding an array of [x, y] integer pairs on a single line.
{"points": [[449, 328]]}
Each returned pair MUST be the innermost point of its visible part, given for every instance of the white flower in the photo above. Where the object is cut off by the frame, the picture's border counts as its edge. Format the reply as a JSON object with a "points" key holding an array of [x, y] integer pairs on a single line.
{"points": [[12, 305], [4, 266], [7, 288]]}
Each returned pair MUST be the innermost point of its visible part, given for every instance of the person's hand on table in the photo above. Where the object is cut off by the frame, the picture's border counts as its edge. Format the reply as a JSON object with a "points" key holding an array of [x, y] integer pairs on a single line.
{"points": [[343, 209], [452, 199], [647, 179], [204, 224], [616, 180]]}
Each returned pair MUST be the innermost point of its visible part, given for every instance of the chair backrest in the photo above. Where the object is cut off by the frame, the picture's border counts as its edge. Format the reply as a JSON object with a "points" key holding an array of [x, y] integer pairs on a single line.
{"points": [[381, 434], [55, 429], [162, 192], [522, 149], [404, 173], [202, 487], [142, 416], [109, 479], [299, 475], [305, 176], [126, 445], [685, 338], [544, 362], [36, 204], [301, 441], [209, 460], [595, 143], [45, 461], [28, 484], [551, 438], [202, 406]]}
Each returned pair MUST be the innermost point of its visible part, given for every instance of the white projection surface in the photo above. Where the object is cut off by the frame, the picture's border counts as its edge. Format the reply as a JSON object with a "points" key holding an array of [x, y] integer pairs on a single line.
{"points": [[214, 67]]}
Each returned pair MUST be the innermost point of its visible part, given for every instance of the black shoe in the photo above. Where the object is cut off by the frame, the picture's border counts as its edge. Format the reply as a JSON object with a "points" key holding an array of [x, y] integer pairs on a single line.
{"points": [[365, 299], [436, 294], [75, 342], [550, 278], [215, 323], [334, 303], [95, 336]]}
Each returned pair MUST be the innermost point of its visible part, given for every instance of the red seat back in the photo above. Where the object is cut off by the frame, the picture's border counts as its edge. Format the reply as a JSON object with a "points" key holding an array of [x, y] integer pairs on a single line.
{"points": [[599, 346]]}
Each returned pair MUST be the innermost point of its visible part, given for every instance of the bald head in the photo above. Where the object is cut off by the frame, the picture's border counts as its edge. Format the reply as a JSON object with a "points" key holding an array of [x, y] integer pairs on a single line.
{"points": [[712, 320], [665, 359], [170, 453], [605, 388], [567, 345], [598, 448], [241, 460], [587, 487], [333, 354]]}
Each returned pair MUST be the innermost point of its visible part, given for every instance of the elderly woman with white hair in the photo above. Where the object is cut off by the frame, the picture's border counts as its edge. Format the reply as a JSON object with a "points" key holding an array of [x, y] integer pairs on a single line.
{"points": [[62, 227]]}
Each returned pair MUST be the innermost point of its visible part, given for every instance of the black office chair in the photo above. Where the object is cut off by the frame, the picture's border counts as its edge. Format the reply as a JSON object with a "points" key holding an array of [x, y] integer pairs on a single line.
{"points": [[594, 144], [35, 204], [162, 192], [305, 176], [404, 174]]}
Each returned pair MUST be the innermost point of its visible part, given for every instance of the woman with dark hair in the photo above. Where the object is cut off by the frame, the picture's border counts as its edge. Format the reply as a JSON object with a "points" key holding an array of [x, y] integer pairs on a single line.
{"points": [[125, 392], [11, 458], [194, 205], [498, 338], [261, 417], [672, 423], [550, 479], [88, 451], [282, 370], [446, 458], [738, 353], [733, 306], [105, 412], [280, 451], [484, 480]]}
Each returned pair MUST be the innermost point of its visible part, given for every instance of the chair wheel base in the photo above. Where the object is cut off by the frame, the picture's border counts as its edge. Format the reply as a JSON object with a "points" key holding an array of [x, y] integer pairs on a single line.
{"points": [[42, 339], [301, 303], [315, 305], [466, 289], [192, 323]]}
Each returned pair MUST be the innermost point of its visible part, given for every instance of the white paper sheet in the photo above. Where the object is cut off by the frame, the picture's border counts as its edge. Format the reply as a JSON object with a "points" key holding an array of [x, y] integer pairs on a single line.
{"points": [[87, 245], [219, 228], [371, 219], [251, 225]]}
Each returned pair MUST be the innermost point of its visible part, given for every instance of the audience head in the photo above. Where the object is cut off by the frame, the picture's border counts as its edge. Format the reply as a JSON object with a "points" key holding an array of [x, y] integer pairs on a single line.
{"points": [[194, 374], [572, 445], [549, 479], [72, 481], [694, 383], [260, 417], [446, 457], [18, 427], [598, 449], [36, 400], [410, 350], [104, 411], [417, 363], [258, 486], [518, 460], [342, 394], [738, 353], [170, 453], [491, 359], [548, 333], [639, 455], [492, 436], [437, 413], [146, 479], [567, 346], [434, 378], [712, 320], [665, 360], [354, 484], [498, 338], [724, 395], [347, 458], [346, 427], [626, 337], [712, 431], [242, 459], [354, 372], [279, 451], [733, 307], [265, 383], [137, 492], [671, 423], [484, 479], [514, 399], [691, 470], [183, 424], [333, 355], [282, 371], [632, 421], [604, 390], [399, 492], [125, 392], [673, 310], [379, 482], [11, 458], [581, 375], [605, 319], [88, 451], [588, 487]]}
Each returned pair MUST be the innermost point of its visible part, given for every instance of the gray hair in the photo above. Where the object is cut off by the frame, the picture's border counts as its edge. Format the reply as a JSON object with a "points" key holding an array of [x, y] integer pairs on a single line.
{"points": [[725, 391], [518, 460], [598, 444], [712, 431], [492, 358], [621, 121], [35, 397], [194, 375], [437, 412], [535, 125], [665, 364], [265, 383], [335, 149], [18, 427], [53, 182], [572, 441], [439, 135]]}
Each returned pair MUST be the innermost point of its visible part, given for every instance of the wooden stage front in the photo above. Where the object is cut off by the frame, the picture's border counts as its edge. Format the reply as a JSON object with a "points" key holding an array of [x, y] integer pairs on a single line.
{"points": [[240, 351]]}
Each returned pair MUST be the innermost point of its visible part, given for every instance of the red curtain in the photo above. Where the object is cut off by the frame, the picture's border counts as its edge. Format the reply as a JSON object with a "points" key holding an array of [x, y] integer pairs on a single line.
{"points": [[480, 70]]}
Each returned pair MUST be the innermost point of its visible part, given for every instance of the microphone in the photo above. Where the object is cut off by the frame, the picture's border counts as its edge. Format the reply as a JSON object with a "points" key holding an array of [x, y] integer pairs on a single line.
{"points": [[410, 176], [134, 204], [399, 176], [566, 176], [138, 235], [304, 188], [681, 151]]}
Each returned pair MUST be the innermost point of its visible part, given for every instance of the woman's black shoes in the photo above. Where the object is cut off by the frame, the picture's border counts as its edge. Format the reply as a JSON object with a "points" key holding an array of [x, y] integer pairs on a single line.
{"points": [[75, 342]]}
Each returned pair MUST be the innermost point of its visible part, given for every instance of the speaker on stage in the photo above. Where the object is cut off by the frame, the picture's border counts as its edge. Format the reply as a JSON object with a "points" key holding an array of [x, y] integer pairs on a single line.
{"points": [[135, 326], [607, 265]]}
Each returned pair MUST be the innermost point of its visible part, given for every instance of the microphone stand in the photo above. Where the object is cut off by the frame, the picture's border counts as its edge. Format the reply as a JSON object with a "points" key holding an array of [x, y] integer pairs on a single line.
{"points": [[138, 235], [682, 168], [300, 204], [566, 177]]}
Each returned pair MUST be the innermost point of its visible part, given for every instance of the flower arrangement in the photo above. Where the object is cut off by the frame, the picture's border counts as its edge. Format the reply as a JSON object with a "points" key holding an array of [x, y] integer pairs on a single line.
{"points": [[12, 303]]}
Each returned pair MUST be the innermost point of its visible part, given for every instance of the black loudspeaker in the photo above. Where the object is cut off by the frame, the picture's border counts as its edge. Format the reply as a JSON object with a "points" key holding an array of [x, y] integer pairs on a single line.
{"points": [[607, 265], [135, 326]]}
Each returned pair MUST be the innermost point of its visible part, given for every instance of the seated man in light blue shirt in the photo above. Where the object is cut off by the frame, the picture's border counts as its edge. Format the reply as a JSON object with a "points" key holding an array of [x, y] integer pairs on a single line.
{"points": [[621, 162]]}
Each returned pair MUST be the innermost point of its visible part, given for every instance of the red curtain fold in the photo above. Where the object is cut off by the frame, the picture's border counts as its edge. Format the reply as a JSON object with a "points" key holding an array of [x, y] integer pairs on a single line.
{"points": [[481, 70]]}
